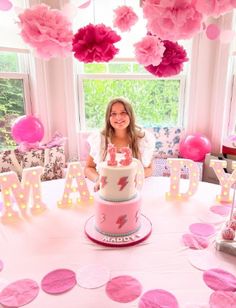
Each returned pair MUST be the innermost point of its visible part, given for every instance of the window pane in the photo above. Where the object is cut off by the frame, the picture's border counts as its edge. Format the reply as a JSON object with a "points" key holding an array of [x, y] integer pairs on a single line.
{"points": [[9, 62], [11, 106], [154, 101]]}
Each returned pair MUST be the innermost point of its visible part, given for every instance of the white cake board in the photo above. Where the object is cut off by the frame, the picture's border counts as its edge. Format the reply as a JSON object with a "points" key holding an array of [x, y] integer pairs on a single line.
{"points": [[118, 241]]}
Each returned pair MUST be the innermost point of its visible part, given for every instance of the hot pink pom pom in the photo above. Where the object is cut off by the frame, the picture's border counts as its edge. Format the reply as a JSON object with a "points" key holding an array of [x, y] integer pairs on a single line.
{"points": [[149, 50], [172, 61], [173, 19], [46, 30], [214, 8], [94, 43], [124, 18]]}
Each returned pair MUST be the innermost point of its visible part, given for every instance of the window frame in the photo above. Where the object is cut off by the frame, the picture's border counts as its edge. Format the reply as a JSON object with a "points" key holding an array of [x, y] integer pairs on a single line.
{"points": [[126, 76]]}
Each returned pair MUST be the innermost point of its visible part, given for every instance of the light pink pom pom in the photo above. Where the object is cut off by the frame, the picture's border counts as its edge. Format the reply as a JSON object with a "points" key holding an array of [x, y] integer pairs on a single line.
{"points": [[124, 18], [228, 234], [214, 8], [46, 30], [149, 50], [172, 20]]}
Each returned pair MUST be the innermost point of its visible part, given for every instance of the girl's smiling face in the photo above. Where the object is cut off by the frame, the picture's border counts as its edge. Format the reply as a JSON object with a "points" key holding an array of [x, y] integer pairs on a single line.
{"points": [[119, 117]]}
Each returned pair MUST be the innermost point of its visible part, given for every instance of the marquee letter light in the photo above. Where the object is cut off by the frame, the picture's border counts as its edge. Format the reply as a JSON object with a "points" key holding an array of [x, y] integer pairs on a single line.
{"points": [[175, 170], [74, 172], [226, 180], [24, 192]]}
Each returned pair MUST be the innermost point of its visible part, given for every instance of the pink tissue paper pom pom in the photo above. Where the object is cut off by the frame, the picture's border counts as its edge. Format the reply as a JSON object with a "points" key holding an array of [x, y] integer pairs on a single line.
{"points": [[214, 8], [124, 18], [172, 61], [149, 50], [94, 43], [173, 20], [47, 30]]}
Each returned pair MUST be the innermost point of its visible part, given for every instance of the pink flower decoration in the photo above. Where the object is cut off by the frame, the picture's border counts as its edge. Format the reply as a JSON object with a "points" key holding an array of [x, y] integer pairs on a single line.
{"points": [[124, 18], [149, 50], [46, 30], [172, 61], [214, 7], [95, 43], [172, 19]]}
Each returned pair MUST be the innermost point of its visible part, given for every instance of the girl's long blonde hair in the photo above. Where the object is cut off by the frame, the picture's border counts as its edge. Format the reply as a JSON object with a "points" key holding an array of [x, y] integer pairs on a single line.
{"points": [[134, 131]]}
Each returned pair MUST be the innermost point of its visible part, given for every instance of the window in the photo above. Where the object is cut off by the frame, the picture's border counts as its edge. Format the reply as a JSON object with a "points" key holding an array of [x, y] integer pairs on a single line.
{"points": [[156, 101], [14, 93]]}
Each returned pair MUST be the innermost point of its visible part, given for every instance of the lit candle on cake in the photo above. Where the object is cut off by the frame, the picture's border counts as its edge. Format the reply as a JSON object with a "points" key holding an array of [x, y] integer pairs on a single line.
{"points": [[175, 171], [30, 186], [226, 180], [74, 172]]}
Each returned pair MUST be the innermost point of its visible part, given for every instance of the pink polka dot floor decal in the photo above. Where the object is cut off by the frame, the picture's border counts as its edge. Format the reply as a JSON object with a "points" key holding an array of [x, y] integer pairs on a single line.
{"points": [[218, 279], [123, 289], [222, 299], [202, 229], [19, 293], [58, 281], [93, 276], [194, 241], [158, 298], [220, 210], [1, 265]]}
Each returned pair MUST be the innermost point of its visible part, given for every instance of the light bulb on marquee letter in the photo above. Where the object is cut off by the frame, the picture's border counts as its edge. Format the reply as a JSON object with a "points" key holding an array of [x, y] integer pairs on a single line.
{"points": [[226, 180], [175, 170], [74, 172], [30, 186]]}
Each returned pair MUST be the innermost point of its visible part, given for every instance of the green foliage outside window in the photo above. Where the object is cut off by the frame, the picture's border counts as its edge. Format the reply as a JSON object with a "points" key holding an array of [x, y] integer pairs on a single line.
{"points": [[154, 101]]}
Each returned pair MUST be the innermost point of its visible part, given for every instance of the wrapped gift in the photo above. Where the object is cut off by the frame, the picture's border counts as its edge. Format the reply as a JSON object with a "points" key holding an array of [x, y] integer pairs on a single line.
{"points": [[11, 160]]}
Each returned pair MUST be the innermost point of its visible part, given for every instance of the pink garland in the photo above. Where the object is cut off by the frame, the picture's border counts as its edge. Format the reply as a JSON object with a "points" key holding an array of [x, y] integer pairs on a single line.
{"points": [[172, 62], [94, 43], [124, 18], [46, 30]]}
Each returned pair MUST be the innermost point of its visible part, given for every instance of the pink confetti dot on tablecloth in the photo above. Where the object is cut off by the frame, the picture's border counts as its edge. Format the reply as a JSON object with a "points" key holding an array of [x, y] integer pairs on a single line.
{"points": [[58, 281], [218, 279], [220, 210], [194, 241], [222, 299], [19, 293], [123, 289], [202, 229], [93, 276], [158, 298]]}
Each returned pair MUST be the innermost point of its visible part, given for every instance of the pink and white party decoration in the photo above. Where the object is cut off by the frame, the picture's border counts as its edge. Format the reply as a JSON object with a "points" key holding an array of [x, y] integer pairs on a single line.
{"points": [[75, 173], [172, 61], [95, 43], [214, 8], [28, 188], [124, 18], [149, 50], [5, 5], [172, 20], [226, 180], [47, 30], [175, 169]]}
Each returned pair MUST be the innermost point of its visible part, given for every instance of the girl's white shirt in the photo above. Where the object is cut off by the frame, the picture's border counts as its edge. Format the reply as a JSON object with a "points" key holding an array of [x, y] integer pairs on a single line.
{"points": [[146, 147]]}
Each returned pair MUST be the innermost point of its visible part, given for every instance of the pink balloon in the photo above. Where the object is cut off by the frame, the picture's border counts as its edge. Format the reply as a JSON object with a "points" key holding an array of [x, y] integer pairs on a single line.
{"points": [[195, 147], [27, 128]]}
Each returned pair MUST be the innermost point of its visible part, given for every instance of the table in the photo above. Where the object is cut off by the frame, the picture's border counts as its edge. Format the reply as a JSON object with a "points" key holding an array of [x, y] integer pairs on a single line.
{"points": [[56, 239]]}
